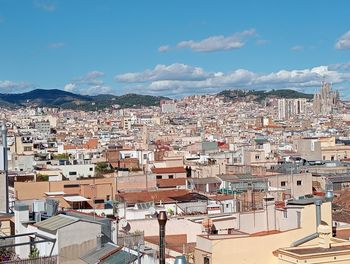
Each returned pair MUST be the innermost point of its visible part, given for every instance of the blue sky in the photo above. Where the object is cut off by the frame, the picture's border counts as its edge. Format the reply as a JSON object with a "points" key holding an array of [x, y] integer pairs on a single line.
{"points": [[173, 48]]}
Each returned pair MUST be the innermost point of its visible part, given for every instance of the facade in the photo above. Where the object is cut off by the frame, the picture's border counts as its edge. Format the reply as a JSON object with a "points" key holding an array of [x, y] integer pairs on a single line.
{"points": [[258, 246], [43, 127], [326, 100], [288, 108]]}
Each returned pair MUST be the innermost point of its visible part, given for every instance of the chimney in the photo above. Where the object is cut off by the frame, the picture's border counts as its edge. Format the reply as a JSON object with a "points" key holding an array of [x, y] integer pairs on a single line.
{"points": [[325, 233], [162, 219]]}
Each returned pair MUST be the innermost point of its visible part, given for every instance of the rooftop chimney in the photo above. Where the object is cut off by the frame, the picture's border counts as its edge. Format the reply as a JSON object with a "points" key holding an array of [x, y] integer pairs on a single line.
{"points": [[162, 219]]}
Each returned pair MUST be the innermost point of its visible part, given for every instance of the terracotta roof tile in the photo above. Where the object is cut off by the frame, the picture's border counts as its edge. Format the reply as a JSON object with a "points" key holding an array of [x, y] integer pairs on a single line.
{"points": [[167, 183], [169, 170], [156, 196]]}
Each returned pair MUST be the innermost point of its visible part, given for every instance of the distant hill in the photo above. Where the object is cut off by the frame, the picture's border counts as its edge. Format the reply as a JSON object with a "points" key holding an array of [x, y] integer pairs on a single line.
{"points": [[262, 95], [63, 99]]}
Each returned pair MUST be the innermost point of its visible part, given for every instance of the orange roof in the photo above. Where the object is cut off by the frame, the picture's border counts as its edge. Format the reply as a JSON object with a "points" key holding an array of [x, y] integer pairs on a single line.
{"points": [[169, 170], [69, 146], [92, 143], [167, 183], [173, 242], [139, 197]]}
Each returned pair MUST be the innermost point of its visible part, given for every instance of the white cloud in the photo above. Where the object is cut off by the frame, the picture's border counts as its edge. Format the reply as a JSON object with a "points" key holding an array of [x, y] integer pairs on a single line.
{"points": [[89, 84], [343, 42], [218, 43], [164, 48], [345, 66], [297, 48], [97, 89], [176, 71], [56, 45], [181, 80], [70, 87], [93, 75], [45, 5], [7, 86]]}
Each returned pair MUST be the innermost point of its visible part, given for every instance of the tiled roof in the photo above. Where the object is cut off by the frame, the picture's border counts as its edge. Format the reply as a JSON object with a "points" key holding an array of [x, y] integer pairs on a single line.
{"points": [[169, 170], [173, 242], [168, 183], [164, 196]]}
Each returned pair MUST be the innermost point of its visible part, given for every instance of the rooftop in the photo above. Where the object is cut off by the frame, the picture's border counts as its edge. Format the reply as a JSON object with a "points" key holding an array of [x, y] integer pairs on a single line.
{"points": [[54, 223], [169, 170]]}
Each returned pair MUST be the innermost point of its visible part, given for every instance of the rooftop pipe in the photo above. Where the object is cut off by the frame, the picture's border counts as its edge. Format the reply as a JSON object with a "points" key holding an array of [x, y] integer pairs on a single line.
{"points": [[303, 240]]}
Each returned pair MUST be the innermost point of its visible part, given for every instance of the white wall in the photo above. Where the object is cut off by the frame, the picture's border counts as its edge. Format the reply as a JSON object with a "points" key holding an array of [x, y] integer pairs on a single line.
{"points": [[174, 226]]}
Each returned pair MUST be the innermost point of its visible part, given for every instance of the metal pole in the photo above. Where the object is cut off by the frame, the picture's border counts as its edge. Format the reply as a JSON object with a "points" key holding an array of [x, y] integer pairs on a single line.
{"points": [[4, 145], [162, 219]]}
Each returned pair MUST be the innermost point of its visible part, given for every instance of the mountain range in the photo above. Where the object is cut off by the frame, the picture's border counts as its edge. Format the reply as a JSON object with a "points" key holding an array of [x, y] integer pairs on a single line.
{"points": [[68, 100]]}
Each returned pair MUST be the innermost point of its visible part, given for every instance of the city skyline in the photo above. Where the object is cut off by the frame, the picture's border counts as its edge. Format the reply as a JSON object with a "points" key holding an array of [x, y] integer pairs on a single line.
{"points": [[186, 48]]}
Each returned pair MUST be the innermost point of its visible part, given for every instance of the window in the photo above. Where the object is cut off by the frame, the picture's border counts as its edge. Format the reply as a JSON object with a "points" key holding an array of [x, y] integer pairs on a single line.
{"points": [[285, 214], [299, 183], [71, 185], [91, 169], [332, 157], [108, 197], [257, 157], [27, 148], [171, 176], [99, 201], [71, 173], [144, 156], [159, 177], [206, 260], [324, 157], [283, 184]]}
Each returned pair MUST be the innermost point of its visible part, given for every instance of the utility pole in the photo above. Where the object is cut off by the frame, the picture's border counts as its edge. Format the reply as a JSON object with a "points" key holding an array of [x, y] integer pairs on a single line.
{"points": [[5, 166]]}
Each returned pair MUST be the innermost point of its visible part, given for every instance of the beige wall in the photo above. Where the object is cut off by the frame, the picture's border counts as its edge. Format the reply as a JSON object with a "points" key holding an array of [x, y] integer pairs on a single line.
{"points": [[36, 190], [258, 249], [309, 149], [173, 227], [291, 181], [337, 152]]}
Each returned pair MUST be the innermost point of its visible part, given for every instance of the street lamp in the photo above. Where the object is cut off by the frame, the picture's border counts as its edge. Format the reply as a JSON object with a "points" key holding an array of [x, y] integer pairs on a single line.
{"points": [[162, 219]]}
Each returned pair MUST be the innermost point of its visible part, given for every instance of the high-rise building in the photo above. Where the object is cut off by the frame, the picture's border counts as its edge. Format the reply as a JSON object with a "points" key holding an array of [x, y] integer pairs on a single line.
{"points": [[291, 107], [326, 100]]}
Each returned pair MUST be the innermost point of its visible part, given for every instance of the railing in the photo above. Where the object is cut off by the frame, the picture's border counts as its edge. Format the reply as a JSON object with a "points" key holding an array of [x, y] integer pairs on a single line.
{"points": [[131, 240], [40, 260]]}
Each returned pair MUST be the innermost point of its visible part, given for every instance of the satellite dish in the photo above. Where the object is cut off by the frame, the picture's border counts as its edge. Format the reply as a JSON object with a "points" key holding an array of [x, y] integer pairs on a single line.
{"points": [[123, 223], [152, 210]]}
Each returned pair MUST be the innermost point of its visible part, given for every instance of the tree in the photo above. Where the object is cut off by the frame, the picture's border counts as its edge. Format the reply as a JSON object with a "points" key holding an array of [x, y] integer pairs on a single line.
{"points": [[34, 253], [42, 177], [102, 168]]}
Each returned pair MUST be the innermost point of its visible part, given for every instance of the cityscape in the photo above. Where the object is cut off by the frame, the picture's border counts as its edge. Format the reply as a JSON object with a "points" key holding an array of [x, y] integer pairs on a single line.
{"points": [[149, 158]]}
